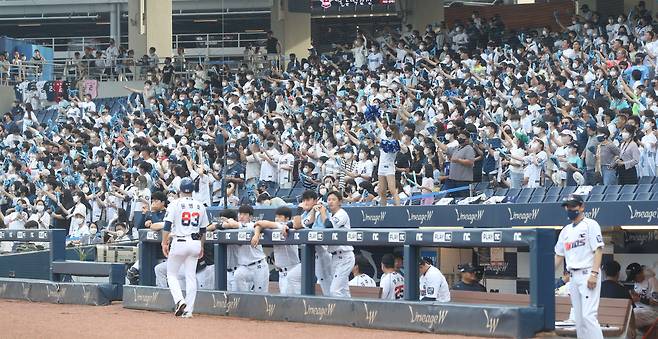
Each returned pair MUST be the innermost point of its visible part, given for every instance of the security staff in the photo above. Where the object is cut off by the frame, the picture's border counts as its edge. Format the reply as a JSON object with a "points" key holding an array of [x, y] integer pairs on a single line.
{"points": [[581, 244]]}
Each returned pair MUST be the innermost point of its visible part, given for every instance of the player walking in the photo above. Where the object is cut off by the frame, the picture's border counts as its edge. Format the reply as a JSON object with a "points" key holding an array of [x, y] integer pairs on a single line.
{"points": [[342, 257], [184, 229], [392, 282], [580, 243], [433, 284]]}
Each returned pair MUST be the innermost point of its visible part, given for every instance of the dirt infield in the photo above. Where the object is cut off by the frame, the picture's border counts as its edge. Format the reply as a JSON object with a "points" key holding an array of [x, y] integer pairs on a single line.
{"points": [[22, 319]]}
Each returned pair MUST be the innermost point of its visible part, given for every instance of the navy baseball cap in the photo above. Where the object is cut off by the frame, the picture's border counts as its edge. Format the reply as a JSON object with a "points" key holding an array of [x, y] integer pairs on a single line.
{"points": [[466, 268], [186, 185], [573, 200]]}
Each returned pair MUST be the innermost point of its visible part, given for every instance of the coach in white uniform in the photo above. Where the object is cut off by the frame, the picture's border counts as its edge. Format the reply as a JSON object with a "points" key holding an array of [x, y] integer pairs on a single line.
{"points": [[433, 285], [581, 244], [252, 274], [286, 257], [185, 227], [342, 257]]}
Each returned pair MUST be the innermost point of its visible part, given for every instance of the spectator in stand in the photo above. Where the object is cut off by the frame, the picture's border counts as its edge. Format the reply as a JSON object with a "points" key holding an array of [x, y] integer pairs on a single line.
{"points": [[629, 157], [153, 59]]}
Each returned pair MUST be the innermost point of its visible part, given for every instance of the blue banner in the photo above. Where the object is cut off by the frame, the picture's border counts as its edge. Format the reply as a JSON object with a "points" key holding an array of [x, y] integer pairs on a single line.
{"points": [[608, 214]]}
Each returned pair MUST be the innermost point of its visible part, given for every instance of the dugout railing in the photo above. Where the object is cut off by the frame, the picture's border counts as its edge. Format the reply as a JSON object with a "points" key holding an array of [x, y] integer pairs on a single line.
{"points": [[456, 318]]}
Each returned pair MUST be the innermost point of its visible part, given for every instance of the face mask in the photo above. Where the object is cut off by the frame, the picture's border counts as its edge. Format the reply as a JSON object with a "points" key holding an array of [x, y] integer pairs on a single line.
{"points": [[626, 135], [348, 156], [40, 208], [536, 130], [600, 138], [573, 214], [514, 124], [323, 191], [307, 170], [120, 233], [85, 190], [613, 74], [230, 162], [76, 199], [462, 141], [183, 141], [93, 230]]}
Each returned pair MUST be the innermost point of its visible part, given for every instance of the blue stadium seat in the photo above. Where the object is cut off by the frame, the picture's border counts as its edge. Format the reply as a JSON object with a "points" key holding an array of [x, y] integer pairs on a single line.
{"points": [[523, 199], [646, 180], [628, 189], [283, 193], [481, 186], [513, 192], [644, 188], [555, 190], [272, 191], [296, 193], [627, 197], [595, 197], [611, 197], [612, 189], [654, 197], [568, 190], [597, 190], [501, 192], [536, 199], [552, 198], [489, 192], [644, 196], [526, 192]]}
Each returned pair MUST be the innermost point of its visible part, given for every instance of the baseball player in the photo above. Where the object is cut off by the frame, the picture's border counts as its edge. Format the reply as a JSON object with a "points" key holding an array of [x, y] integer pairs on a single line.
{"points": [[205, 270], [185, 227], [231, 252], [581, 244], [644, 294], [286, 257], [342, 257], [392, 282], [360, 278], [252, 273], [433, 285], [309, 219]]}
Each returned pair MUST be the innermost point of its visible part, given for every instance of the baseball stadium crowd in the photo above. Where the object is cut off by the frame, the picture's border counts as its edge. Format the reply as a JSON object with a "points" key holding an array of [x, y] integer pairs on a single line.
{"points": [[390, 116]]}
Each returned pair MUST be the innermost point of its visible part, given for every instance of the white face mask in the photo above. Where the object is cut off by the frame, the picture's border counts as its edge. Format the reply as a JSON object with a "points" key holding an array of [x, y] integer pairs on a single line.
{"points": [[536, 130], [625, 135], [85, 190], [348, 156], [40, 208], [76, 199], [230, 162], [93, 230]]}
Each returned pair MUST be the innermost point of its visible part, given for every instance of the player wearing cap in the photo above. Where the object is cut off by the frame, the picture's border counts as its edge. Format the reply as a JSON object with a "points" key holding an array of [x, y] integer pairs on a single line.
{"points": [[252, 273], [581, 244], [644, 294], [342, 257], [310, 219], [286, 257], [360, 278], [392, 282], [433, 285], [184, 229], [469, 280]]}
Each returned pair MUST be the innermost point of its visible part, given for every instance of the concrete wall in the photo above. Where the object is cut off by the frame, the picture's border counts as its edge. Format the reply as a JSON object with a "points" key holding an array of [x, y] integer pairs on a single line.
{"points": [[157, 27], [112, 89], [420, 13], [7, 98], [292, 29]]}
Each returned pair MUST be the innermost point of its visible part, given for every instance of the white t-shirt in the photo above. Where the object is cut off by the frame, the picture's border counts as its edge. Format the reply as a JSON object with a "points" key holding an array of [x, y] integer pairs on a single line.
{"points": [[363, 168], [16, 223], [392, 285], [578, 243], [285, 175], [42, 218], [362, 280], [78, 221], [434, 285], [268, 172], [204, 188], [535, 165]]}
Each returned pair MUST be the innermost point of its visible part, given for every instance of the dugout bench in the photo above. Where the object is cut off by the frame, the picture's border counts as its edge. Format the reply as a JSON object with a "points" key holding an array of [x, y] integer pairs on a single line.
{"points": [[520, 321], [60, 269]]}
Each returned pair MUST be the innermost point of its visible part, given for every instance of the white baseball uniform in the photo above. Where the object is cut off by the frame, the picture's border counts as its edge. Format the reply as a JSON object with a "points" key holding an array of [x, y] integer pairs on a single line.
{"points": [[252, 274], [231, 267], [363, 280], [645, 315], [205, 278], [322, 256], [392, 285], [286, 258], [577, 244], [342, 258], [433, 285], [187, 217]]}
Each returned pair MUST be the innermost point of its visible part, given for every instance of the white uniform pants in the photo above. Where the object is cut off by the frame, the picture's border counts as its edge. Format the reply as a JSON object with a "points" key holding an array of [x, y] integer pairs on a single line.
{"points": [[342, 264], [323, 269], [290, 280], [585, 304], [256, 275], [230, 282], [644, 315], [183, 254], [205, 278]]}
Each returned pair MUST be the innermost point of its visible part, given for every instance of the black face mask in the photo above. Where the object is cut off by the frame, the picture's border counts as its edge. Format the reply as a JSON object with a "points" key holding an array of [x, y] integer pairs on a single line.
{"points": [[462, 141], [600, 138]]}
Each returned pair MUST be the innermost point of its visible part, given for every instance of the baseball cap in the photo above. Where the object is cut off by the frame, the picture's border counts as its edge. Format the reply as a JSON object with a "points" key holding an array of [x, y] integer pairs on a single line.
{"points": [[573, 200], [425, 260], [632, 270], [466, 268], [591, 125], [569, 133]]}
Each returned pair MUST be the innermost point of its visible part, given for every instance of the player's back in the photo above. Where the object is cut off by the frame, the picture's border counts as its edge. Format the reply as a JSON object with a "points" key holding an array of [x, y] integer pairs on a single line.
{"points": [[187, 216], [392, 285]]}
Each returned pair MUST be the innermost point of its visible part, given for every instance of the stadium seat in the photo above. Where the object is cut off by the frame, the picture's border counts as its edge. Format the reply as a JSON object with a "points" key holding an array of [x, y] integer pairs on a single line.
{"points": [[552, 198], [526, 192], [646, 180], [568, 190], [597, 190], [595, 197], [513, 192], [283, 193], [481, 186], [644, 188], [611, 197], [272, 191], [536, 199], [296, 193], [644, 196], [628, 189], [554, 191], [523, 199], [627, 197], [489, 192], [612, 189], [501, 192]]}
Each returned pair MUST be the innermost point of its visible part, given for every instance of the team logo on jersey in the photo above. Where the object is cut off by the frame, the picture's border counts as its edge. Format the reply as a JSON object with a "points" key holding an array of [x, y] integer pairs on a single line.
{"points": [[470, 217], [373, 218], [491, 323], [647, 215], [421, 218], [430, 319], [581, 241]]}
